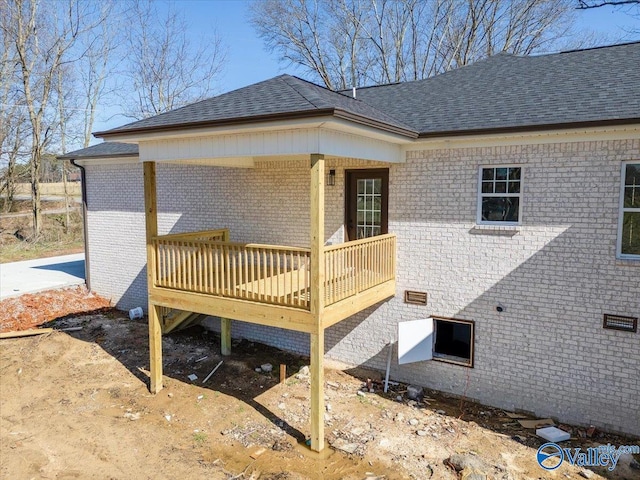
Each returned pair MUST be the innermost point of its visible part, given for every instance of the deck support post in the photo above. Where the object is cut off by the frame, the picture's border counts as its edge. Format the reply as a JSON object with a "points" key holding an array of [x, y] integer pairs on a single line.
{"points": [[225, 336], [317, 301], [155, 327]]}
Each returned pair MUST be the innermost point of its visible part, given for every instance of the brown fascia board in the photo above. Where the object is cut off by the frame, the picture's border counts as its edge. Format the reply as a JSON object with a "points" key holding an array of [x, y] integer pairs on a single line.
{"points": [[261, 119], [531, 128], [89, 157]]}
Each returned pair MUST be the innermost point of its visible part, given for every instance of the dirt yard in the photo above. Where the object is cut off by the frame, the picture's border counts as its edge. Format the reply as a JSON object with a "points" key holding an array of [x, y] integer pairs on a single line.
{"points": [[76, 405]]}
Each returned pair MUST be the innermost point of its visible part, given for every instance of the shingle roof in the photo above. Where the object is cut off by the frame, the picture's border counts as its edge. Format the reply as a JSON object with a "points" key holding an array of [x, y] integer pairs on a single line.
{"points": [[507, 92], [103, 150], [282, 95], [501, 93]]}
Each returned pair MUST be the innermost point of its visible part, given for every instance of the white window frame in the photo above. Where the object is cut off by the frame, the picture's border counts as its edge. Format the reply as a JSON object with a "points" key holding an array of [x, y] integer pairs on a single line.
{"points": [[621, 212], [520, 195]]}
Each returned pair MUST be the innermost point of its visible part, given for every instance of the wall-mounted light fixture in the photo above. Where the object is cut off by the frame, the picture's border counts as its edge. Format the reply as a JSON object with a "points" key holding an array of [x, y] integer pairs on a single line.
{"points": [[331, 178]]}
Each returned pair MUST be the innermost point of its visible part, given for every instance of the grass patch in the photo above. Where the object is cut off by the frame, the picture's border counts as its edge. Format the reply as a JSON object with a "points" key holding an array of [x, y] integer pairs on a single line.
{"points": [[199, 438], [16, 243]]}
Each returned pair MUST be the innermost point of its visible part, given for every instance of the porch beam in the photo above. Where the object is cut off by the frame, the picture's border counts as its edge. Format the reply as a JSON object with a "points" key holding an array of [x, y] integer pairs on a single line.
{"points": [[155, 327], [317, 301]]}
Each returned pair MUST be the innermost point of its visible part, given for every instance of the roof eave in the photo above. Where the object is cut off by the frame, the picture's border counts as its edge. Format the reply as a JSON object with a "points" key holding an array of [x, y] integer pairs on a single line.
{"points": [[338, 113], [531, 128], [90, 157]]}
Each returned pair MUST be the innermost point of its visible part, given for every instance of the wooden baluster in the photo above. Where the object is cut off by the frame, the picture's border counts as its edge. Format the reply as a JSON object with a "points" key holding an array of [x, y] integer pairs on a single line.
{"points": [[216, 269], [227, 267]]}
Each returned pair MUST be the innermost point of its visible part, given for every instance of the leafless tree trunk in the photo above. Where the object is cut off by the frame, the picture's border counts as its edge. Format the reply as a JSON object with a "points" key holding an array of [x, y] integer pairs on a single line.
{"points": [[44, 36]]}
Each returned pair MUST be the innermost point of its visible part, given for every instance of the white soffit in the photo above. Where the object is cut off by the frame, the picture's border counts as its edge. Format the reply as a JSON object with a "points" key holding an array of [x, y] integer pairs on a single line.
{"points": [[86, 162], [255, 144], [623, 132]]}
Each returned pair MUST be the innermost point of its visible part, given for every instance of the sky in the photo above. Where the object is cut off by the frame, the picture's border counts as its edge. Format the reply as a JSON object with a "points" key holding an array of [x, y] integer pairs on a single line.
{"points": [[248, 62]]}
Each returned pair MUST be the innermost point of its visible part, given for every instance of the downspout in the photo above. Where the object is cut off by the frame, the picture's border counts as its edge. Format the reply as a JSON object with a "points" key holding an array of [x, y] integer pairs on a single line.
{"points": [[85, 229]]}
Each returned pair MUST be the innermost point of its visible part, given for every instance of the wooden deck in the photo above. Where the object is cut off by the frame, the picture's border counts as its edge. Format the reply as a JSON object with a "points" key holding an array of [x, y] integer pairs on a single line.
{"points": [[207, 264]]}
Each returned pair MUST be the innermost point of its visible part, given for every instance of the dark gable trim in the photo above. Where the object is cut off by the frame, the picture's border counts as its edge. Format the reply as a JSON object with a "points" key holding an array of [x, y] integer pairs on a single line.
{"points": [[97, 155], [261, 119]]}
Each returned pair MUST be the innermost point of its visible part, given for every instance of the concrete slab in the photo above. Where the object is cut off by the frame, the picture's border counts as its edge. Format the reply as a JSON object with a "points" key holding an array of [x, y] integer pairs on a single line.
{"points": [[41, 274]]}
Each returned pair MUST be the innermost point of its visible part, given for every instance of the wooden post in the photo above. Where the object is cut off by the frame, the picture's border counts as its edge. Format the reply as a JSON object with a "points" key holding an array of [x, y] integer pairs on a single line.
{"points": [[317, 391], [317, 302], [317, 235], [155, 328], [225, 336]]}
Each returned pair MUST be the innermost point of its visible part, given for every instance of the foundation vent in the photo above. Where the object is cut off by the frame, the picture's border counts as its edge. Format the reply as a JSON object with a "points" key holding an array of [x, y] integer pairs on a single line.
{"points": [[415, 298], [618, 322]]}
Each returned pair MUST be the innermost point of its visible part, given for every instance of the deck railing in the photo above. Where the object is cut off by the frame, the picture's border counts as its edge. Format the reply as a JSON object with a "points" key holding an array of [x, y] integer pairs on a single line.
{"points": [[352, 267], [262, 273], [206, 262]]}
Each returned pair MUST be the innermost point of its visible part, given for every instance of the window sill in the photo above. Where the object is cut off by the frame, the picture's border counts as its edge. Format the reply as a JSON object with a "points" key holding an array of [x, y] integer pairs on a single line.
{"points": [[501, 230], [442, 357]]}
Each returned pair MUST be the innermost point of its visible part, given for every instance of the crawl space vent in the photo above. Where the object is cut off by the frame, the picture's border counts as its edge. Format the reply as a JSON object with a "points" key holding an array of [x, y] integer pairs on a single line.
{"points": [[416, 298], [618, 322]]}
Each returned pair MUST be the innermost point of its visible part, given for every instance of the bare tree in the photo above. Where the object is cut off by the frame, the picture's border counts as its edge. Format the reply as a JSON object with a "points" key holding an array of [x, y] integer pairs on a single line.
{"points": [[348, 42], [163, 69], [45, 37]]}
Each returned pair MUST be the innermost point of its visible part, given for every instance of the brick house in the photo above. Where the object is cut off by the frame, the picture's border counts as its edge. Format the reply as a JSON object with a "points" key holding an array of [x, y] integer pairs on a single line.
{"points": [[507, 191]]}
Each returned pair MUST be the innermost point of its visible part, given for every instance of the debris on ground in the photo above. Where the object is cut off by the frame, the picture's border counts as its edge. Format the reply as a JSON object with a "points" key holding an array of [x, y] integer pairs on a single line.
{"points": [[87, 393], [34, 309]]}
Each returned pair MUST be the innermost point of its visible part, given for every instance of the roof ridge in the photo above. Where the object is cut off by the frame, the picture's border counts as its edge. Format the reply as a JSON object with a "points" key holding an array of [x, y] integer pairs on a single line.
{"points": [[286, 76]]}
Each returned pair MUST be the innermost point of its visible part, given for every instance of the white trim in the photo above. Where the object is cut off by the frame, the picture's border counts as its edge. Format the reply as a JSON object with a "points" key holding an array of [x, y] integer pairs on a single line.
{"points": [[520, 196], [621, 212], [568, 135], [97, 161], [277, 143]]}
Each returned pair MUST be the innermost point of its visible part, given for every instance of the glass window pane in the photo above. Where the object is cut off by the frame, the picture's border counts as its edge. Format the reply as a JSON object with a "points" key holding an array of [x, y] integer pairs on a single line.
{"points": [[377, 218], [501, 173], [501, 187], [361, 187], [360, 217], [377, 203], [514, 173], [375, 231], [514, 187], [487, 187], [487, 173], [368, 203], [500, 209], [632, 197], [377, 185], [369, 218], [360, 203], [631, 233], [632, 174]]}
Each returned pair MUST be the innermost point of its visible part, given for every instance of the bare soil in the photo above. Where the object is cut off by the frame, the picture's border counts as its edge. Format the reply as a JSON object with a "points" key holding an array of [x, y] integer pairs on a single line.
{"points": [[76, 405]]}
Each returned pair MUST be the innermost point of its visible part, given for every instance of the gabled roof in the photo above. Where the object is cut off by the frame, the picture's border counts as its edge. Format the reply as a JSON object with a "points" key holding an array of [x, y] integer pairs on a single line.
{"points": [[103, 150], [282, 97], [506, 92]]}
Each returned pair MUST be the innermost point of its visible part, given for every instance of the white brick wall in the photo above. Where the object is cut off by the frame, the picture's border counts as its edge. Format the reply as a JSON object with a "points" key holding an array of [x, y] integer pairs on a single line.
{"points": [[556, 276]]}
